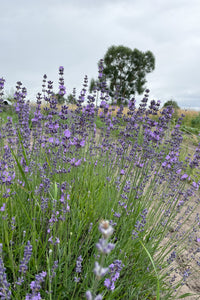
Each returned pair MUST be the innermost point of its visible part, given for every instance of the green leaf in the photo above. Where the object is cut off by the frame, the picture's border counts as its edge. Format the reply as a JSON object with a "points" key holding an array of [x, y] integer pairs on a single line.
{"points": [[23, 149], [21, 170], [24, 177], [186, 295], [151, 259]]}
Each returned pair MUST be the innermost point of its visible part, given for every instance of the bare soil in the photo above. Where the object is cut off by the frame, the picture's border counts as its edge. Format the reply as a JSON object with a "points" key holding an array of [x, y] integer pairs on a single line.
{"points": [[188, 260]]}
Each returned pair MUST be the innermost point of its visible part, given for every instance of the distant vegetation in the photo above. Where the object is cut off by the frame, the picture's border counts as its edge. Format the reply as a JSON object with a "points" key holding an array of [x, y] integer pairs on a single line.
{"points": [[172, 103]]}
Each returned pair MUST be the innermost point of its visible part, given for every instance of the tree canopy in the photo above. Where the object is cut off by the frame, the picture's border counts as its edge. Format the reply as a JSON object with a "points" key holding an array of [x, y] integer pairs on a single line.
{"points": [[172, 103], [93, 84], [126, 69], [71, 99], [60, 98]]}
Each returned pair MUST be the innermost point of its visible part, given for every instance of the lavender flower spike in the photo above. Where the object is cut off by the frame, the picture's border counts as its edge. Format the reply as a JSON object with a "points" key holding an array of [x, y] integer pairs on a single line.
{"points": [[36, 286], [106, 229], [105, 247], [23, 267], [5, 293], [27, 255], [88, 295], [99, 271]]}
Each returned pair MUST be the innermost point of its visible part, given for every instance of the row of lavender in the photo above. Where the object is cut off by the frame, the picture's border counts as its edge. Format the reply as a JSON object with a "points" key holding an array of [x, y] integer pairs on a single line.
{"points": [[62, 179]]}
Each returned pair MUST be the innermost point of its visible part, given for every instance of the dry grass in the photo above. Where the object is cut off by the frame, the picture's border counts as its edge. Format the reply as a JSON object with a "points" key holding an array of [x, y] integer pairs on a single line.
{"points": [[189, 114]]}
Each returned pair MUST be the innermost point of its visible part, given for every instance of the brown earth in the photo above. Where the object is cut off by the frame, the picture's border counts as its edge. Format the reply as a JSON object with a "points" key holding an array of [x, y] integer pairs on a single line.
{"points": [[186, 260]]}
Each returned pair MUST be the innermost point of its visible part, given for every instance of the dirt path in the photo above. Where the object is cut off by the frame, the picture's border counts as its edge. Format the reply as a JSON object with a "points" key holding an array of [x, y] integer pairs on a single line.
{"points": [[190, 258]]}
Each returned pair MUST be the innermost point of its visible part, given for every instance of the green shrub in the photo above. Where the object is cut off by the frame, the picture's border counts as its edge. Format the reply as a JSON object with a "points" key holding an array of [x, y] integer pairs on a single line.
{"points": [[196, 122]]}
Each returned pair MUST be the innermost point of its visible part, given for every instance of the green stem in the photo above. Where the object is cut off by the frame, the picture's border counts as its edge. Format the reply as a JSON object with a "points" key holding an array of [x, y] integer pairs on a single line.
{"points": [[151, 259]]}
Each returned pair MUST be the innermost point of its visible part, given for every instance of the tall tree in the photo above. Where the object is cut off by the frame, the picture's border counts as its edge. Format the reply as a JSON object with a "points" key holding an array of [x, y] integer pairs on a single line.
{"points": [[71, 99], [126, 70], [60, 98], [93, 84], [172, 103]]}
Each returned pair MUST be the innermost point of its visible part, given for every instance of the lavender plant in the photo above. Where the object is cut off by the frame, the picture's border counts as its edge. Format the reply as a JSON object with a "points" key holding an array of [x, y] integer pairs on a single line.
{"points": [[60, 173], [104, 247]]}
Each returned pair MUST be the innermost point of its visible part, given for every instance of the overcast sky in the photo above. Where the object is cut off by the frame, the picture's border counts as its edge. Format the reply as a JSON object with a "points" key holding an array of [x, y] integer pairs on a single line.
{"points": [[38, 36]]}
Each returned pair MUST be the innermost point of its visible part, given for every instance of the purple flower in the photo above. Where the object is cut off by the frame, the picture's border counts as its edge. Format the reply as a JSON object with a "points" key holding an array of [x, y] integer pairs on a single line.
{"points": [[67, 133], [3, 207], [88, 296], [61, 70], [57, 241], [184, 176], [2, 81], [27, 256], [62, 198], [195, 185], [98, 297], [50, 240], [103, 104], [99, 271], [122, 172], [78, 163], [106, 229], [79, 264], [77, 279], [118, 215], [51, 140], [62, 90], [140, 224], [5, 293], [68, 207], [82, 143], [53, 273], [172, 257], [26, 169], [36, 296], [90, 228], [114, 271], [105, 247], [35, 285], [107, 283]]}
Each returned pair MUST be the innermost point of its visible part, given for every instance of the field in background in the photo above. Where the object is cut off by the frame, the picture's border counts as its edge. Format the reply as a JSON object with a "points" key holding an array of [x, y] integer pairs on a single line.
{"points": [[190, 123]]}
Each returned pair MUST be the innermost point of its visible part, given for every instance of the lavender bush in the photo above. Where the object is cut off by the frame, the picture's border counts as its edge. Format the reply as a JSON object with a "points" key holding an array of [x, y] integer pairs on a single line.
{"points": [[63, 171]]}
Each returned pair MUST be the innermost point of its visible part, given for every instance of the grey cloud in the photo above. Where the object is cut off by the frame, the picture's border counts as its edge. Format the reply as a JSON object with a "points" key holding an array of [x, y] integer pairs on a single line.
{"points": [[39, 36]]}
